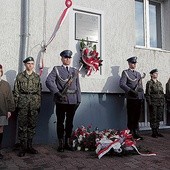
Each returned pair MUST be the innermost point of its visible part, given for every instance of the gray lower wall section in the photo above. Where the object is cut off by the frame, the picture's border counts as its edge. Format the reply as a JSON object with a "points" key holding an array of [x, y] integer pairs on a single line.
{"points": [[99, 110]]}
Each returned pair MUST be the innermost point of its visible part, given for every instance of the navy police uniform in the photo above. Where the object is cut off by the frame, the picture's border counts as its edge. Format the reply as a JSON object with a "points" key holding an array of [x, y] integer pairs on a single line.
{"points": [[67, 103], [130, 83]]}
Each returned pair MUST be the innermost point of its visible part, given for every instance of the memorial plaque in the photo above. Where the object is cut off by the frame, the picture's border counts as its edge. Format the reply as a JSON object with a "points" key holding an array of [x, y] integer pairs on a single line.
{"points": [[87, 27]]}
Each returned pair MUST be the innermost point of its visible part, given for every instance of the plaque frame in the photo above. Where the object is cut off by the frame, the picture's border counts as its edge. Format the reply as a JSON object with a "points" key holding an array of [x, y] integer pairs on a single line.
{"points": [[87, 27]]}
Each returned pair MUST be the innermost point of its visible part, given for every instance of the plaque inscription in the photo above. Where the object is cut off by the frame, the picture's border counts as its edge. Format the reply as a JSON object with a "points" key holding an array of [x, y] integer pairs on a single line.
{"points": [[87, 27]]}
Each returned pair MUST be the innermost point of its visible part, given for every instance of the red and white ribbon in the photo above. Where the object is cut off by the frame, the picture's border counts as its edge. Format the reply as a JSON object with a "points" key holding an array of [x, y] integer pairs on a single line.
{"points": [[125, 140], [68, 4], [91, 59]]}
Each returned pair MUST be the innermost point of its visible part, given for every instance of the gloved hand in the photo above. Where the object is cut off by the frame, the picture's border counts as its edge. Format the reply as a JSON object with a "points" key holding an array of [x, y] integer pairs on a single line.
{"points": [[132, 93], [59, 96]]}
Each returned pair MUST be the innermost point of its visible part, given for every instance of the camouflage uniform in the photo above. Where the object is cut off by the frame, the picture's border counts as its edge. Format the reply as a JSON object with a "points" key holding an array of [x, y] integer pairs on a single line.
{"points": [[155, 100], [27, 95]]}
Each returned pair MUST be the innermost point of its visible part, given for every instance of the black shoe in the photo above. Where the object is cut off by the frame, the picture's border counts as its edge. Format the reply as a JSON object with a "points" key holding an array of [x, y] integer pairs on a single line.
{"points": [[21, 153], [30, 149], [16, 146], [60, 149], [68, 144], [160, 135], [61, 146], [137, 137], [68, 147], [1, 156], [22, 150], [154, 135]]}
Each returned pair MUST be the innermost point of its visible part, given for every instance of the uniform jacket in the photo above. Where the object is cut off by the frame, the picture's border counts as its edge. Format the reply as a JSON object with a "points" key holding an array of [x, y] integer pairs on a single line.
{"points": [[154, 93], [168, 91], [56, 81], [6, 98], [129, 80], [27, 91]]}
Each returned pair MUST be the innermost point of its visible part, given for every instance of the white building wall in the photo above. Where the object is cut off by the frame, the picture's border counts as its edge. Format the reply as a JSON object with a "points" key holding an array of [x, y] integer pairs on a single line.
{"points": [[118, 43], [10, 38]]}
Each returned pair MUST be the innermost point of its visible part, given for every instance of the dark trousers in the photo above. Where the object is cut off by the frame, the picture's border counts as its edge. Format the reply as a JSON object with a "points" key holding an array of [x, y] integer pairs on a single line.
{"points": [[65, 111], [133, 113], [168, 112]]}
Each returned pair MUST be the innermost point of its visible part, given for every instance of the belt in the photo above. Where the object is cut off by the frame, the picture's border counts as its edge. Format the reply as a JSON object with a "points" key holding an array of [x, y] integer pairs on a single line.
{"points": [[29, 93], [71, 91]]}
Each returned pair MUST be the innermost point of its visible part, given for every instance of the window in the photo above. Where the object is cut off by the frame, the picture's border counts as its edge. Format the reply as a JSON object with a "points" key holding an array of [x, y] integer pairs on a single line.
{"points": [[148, 23], [139, 19]]}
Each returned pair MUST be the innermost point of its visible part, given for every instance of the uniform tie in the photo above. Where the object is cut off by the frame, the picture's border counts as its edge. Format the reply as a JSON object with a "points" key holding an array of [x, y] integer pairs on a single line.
{"points": [[67, 68]]}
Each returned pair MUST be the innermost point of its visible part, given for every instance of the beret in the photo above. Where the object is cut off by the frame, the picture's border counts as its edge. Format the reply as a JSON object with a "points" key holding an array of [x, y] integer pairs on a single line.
{"points": [[153, 71], [28, 59]]}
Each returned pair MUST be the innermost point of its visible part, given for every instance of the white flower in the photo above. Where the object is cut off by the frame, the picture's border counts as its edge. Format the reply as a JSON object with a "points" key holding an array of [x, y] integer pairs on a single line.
{"points": [[80, 138], [78, 148], [86, 149]]}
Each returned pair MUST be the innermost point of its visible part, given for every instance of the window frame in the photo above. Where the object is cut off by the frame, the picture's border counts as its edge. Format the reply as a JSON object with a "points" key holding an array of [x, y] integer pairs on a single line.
{"points": [[147, 27]]}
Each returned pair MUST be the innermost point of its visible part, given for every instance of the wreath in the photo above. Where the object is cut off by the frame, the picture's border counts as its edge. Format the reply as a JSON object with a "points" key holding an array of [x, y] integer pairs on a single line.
{"points": [[89, 57], [106, 142]]}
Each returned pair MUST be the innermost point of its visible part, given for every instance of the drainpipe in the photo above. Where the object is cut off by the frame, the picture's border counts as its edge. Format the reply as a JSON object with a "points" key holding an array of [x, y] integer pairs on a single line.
{"points": [[24, 33]]}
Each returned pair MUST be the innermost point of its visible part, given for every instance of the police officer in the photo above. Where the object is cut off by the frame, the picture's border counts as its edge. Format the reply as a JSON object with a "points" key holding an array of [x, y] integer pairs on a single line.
{"points": [[168, 101], [131, 83], [67, 96], [27, 95], [155, 101]]}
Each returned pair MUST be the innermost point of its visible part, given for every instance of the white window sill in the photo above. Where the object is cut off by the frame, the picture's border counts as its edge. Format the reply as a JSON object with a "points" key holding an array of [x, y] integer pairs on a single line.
{"points": [[153, 49]]}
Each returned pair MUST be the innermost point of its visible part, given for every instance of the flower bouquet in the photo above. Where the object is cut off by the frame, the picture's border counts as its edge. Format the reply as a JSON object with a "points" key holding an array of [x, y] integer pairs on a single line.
{"points": [[89, 57], [103, 142]]}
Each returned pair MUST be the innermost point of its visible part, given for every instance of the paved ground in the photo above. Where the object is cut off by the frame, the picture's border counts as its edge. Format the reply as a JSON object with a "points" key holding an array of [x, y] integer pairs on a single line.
{"points": [[49, 159]]}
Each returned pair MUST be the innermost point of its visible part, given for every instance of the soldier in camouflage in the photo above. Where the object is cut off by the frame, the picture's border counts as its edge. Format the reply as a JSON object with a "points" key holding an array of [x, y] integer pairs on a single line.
{"points": [[168, 101], [155, 101], [27, 96]]}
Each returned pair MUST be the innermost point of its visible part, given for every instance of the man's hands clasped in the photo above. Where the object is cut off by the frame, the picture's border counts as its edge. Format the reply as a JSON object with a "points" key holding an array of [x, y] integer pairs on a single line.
{"points": [[133, 93]]}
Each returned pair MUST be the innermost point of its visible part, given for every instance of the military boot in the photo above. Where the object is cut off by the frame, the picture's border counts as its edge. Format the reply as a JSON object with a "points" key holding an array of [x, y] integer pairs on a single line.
{"points": [[67, 145], [136, 135], [154, 133], [61, 146], [22, 149], [30, 149], [1, 136], [158, 134], [1, 156]]}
